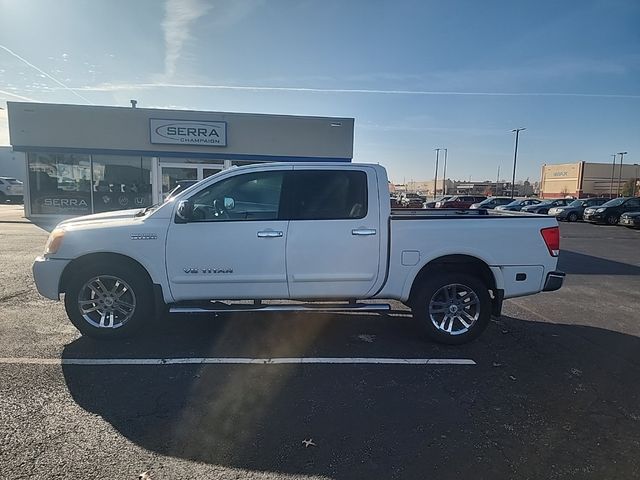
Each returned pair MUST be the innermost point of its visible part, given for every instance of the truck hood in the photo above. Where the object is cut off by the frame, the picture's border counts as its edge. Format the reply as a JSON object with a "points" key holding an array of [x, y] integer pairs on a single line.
{"points": [[104, 217]]}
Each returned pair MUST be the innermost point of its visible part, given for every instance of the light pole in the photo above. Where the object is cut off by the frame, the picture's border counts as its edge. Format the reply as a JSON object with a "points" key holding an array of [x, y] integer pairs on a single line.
{"points": [[435, 181], [444, 174], [613, 169], [515, 159], [622, 154], [498, 181], [636, 183]]}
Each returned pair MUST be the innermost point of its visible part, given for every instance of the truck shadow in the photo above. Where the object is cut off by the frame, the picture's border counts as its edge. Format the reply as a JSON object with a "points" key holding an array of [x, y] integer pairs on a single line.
{"points": [[541, 399], [581, 264]]}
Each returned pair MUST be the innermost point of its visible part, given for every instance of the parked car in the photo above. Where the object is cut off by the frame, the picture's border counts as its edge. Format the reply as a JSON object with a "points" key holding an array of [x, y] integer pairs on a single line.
{"points": [[574, 211], [11, 190], [518, 204], [630, 220], [492, 202], [460, 201], [544, 206], [294, 231], [611, 211], [434, 203]]}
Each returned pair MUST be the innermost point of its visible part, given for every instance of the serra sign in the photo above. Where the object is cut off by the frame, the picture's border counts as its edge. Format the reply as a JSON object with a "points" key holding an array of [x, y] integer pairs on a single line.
{"points": [[188, 132]]}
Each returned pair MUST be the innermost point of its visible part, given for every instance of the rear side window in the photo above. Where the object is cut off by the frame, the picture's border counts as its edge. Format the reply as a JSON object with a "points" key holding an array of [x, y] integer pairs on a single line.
{"points": [[326, 195]]}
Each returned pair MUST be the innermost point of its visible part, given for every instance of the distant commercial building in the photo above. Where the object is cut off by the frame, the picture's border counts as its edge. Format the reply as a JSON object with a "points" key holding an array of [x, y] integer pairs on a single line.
{"points": [[500, 189], [584, 179], [83, 159]]}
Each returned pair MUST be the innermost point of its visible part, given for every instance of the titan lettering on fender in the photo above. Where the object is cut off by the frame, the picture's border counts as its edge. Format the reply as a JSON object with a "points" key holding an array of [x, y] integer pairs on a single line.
{"points": [[188, 132]]}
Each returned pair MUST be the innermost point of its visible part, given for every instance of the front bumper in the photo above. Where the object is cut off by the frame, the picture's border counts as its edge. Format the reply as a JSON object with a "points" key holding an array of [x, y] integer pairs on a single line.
{"points": [[47, 273], [594, 218], [629, 222], [554, 281]]}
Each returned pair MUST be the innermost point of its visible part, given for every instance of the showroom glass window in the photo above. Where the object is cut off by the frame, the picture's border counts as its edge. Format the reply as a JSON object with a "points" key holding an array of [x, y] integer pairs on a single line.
{"points": [[121, 182], [60, 184]]}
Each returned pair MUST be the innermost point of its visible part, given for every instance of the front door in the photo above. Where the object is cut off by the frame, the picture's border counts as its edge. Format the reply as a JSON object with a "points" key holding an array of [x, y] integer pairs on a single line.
{"points": [[333, 245], [234, 246]]}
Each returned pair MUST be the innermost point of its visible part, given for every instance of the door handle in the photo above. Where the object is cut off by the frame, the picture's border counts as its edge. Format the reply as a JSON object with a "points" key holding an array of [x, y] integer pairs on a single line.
{"points": [[363, 231], [269, 234]]}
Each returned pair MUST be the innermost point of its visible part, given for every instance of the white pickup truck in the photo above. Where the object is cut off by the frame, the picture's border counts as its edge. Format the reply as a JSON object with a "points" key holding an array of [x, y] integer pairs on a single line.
{"points": [[321, 234]]}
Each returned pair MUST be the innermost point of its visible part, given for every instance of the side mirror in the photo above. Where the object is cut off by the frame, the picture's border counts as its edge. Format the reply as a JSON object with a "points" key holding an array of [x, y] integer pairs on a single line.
{"points": [[229, 203], [184, 211]]}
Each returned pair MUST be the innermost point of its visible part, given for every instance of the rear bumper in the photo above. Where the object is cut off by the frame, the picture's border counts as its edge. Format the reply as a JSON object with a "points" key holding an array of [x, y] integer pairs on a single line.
{"points": [[46, 274], [554, 281]]}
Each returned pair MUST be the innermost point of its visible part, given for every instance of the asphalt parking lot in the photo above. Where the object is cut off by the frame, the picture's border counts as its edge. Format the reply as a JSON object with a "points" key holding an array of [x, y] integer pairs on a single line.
{"points": [[549, 391]]}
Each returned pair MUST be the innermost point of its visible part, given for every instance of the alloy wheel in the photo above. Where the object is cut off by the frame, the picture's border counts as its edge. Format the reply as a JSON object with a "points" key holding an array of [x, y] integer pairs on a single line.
{"points": [[454, 309], [106, 301]]}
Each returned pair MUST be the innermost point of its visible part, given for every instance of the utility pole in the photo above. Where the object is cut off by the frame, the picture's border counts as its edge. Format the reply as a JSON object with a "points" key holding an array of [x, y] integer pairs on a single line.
{"points": [[435, 181], [498, 181], [622, 154], [444, 174], [515, 159]]}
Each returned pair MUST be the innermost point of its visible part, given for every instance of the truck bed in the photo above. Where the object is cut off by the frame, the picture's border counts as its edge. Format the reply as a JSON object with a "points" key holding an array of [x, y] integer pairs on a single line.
{"points": [[423, 213]]}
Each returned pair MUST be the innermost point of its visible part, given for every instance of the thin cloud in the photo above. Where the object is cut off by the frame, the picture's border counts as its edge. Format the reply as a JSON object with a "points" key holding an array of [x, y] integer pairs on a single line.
{"points": [[179, 16], [147, 86], [26, 62]]}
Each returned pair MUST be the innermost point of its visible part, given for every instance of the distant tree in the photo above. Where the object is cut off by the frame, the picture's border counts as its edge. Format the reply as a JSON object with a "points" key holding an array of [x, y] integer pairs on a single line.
{"points": [[628, 188], [564, 192], [487, 192]]}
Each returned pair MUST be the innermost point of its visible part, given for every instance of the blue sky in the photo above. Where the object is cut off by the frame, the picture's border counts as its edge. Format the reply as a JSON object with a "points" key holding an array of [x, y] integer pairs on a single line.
{"points": [[416, 75]]}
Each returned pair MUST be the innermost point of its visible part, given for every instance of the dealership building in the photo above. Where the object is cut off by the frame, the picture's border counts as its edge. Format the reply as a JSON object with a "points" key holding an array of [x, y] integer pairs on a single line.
{"points": [[584, 179], [83, 159]]}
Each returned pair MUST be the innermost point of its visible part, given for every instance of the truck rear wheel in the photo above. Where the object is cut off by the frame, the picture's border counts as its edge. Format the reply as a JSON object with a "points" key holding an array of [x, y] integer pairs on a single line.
{"points": [[453, 308], [109, 301]]}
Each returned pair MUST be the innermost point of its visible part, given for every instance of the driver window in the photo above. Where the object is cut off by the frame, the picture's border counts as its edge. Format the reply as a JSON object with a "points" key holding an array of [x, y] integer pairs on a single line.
{"points": [[251, 196]]}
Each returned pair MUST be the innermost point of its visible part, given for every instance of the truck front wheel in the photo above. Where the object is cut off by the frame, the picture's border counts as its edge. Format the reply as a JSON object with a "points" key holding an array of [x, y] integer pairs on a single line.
{"points": [[109, 301], [453, 308]]}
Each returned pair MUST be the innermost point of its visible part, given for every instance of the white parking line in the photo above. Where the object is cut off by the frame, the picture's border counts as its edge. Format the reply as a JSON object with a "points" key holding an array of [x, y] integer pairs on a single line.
{"points": [[234, 361]]}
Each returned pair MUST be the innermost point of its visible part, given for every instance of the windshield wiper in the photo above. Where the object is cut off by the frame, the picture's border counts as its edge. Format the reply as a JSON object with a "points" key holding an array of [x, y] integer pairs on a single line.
{"points": [[146, 210]]}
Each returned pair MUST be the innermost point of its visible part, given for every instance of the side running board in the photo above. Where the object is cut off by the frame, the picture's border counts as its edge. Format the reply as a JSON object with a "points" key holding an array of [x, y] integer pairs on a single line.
{"points": [[219, 307]]}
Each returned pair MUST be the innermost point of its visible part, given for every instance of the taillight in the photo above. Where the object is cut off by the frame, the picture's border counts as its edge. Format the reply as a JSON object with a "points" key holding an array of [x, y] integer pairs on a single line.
{"points": [[551, 238]]}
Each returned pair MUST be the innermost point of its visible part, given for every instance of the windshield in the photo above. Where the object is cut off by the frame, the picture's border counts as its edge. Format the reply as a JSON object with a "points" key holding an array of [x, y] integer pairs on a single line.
{"points": [[577, 203], [614, 203]]}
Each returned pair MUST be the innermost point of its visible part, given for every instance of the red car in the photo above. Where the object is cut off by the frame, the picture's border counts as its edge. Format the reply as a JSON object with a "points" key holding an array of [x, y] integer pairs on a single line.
{"points": [[462, 202]]}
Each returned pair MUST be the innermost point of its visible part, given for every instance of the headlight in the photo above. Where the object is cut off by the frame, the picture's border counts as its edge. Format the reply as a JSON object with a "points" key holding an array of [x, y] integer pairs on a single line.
{"points": [[600, 210], [54, 241]]}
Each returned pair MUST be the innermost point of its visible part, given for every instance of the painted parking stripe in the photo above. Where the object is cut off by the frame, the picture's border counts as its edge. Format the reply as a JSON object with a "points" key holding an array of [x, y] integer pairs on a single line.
{"points": [[234, 361]]}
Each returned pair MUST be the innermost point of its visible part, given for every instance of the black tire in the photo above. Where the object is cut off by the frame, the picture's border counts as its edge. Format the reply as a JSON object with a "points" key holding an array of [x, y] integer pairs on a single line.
{"points": [[3, 197], [611, 219], [431, 289], [139, 289], [573, 217]]}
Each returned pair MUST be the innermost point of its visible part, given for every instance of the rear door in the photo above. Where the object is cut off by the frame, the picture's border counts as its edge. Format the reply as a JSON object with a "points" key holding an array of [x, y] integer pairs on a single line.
{"points": [[333, 244]]}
